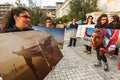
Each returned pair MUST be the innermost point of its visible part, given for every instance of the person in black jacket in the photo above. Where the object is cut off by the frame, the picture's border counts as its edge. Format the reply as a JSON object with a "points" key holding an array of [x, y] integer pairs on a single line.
{"points": [[18, 19], [73, 25], [89, 22]]}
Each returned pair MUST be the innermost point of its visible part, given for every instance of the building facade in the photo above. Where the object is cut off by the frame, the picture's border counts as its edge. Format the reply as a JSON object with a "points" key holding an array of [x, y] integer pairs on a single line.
{"points": [[4, 8], [49, 11], [64, 10], [109, 5], [58, 5]]}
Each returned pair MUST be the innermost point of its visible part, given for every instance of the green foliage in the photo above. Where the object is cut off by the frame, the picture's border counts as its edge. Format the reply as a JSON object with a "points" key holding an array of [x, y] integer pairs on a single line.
{"points": [[35, 14], [65, 18], [78, 8], [57, 20]]}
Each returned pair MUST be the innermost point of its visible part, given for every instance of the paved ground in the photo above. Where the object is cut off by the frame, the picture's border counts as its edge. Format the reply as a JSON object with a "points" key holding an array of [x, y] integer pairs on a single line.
{"points": [[77, 65]]}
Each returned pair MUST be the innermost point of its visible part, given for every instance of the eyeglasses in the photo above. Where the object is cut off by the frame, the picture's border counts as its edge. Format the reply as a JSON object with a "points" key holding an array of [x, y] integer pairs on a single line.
{"points": [[25, 16], [48, 21], [103, 19]]}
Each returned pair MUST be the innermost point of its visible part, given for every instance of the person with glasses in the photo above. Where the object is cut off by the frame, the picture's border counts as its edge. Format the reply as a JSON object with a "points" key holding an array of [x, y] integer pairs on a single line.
{"points": [[16, 20], [102, 22]]}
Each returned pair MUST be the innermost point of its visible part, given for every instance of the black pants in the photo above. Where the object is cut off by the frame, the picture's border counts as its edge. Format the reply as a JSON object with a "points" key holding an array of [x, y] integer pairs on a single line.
{"points": [[101, 56], [88, 48], [72, 41], [116, 51]]}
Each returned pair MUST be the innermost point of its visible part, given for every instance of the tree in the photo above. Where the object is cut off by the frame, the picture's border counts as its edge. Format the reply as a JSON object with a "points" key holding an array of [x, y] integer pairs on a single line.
{"points": [[65, 18], [35, 14], [78, 8]]}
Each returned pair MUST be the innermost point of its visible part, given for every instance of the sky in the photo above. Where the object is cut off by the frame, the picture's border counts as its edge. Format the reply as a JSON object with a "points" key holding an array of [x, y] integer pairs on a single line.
{"points": [[38, 2]]}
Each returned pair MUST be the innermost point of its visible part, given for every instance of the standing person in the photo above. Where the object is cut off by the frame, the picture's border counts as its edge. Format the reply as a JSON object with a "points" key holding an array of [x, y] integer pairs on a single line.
{"points": [[48, 22], [102, 22], [114, 24], [60, 24], [18, 19], [89, 21], [73, 25]]}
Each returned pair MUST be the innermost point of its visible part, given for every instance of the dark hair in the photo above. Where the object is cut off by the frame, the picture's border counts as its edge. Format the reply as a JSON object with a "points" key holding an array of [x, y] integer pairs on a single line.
{"points": [[60, 20], [8, 18], [100, 17], [89, 17], [115, 24], [116, 18], [73, 18], [48, 18]]}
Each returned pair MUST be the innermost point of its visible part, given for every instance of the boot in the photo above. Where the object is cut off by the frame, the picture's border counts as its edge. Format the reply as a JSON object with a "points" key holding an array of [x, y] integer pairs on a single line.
{"points": [[106, 67], [70, 43], [98, 64]]}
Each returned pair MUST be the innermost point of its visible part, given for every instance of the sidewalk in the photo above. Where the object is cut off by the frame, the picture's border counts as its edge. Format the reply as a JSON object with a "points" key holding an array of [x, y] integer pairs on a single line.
{"points": [[77, 65]]}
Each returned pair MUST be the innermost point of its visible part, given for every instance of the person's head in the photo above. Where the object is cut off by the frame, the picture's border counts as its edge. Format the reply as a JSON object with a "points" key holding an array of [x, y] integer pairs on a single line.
{"points": [[60, 21], [90, 19], [74, 20], [114, 18], [103, 19], [48, 22], [18, 16]]}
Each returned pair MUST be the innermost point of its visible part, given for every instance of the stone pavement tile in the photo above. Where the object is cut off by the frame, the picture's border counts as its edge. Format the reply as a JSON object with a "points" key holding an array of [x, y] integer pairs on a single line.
{"points": [[77, 65], [112, 65]]}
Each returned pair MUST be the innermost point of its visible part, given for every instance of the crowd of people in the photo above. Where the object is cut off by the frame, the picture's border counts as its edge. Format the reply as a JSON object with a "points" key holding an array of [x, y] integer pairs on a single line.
{"points": [[18, 19], [102, 24]]}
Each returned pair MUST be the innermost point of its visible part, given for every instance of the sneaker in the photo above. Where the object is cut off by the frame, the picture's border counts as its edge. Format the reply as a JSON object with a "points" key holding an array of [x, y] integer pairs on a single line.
{"points": [[88, 52], [98, 64], [69, 45], [106, 67], [74, 45], [113, 57]]}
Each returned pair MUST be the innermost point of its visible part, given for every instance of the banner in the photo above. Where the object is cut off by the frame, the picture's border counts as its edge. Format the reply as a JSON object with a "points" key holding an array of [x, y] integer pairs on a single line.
{"points": [[81, 30], [57, 33], [28, 55], [109, 41], [70, 33]]}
